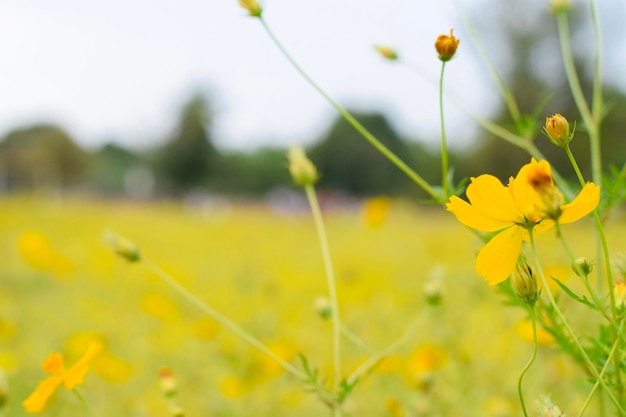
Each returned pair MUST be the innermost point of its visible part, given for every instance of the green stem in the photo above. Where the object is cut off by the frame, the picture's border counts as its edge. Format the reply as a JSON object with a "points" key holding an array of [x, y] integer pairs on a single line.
{"points": [[444, 147], [579, 98], [354, 338], [608, 361], [530, 361], [572, 160], [214, 314], [86, 403], [597, 104], [592, 369], [330, 280], [377, 357], [415, 177]]}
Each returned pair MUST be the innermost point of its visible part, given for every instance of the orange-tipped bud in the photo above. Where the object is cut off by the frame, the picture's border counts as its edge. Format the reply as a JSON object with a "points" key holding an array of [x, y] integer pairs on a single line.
{"points": [[446, 46], [558, 131]]}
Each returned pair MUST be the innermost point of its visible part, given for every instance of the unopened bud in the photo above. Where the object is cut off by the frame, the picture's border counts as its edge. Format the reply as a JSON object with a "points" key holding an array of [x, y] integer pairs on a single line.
{"points": [[560, 6], [548, 409], [582, 267], [446, 46], [557, 129], [323, 307], [387, 52], [433, 285], [301, 168], [167, 381], [525, 284], [123, 247], [252, 6]]}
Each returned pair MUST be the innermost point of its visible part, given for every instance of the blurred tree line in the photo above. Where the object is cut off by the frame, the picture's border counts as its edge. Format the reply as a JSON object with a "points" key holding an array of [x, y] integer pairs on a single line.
{"points": [[45, 156]]}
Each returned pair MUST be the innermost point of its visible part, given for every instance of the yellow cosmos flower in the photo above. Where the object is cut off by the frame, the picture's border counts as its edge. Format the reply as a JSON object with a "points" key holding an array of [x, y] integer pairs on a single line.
{"points": [[69, 378], [530, 201]]}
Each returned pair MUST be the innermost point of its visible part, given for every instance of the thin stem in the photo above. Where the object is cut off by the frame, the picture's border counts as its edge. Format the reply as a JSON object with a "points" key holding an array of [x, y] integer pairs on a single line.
{"points": [[567, 326], [354, 338], [377, 357], [579, 98], [572, 160], [444, 147], [415, 177], [86, 403], [506, 94], [214, 314], [530, 361], [330, 281], [597, 104]]}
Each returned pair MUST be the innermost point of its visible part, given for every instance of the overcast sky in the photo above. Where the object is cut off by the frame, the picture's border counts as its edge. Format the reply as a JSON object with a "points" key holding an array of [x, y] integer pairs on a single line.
{"points": [[121, 69]]}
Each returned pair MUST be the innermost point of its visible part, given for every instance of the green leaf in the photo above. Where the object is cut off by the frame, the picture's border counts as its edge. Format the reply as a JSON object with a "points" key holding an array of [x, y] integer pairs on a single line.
{"points": [[573, 295]]}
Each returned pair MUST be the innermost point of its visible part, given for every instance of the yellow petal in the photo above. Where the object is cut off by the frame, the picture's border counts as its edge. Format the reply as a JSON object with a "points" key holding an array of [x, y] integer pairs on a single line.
{"points": [[490, 197], [496, 260], [526, 196], [37, 400], [469, 216], [75, 375], [583, 204], [54, 363]]}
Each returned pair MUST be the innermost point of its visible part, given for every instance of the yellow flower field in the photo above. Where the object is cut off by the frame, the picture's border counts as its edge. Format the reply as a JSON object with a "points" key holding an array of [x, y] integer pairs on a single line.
{"points": [[62, 288]]}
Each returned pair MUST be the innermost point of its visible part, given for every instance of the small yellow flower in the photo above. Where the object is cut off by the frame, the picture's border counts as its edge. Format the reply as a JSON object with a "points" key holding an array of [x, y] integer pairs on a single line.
{"points": [[69, 378], [512, 211], [446, 46], [557, 130], [375, 211], [301, 168], [252, 6], [386, 52]]}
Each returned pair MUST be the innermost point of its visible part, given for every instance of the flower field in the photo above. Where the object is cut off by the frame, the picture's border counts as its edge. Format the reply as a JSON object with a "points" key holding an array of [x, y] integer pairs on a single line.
{"points": [[398, 266]]}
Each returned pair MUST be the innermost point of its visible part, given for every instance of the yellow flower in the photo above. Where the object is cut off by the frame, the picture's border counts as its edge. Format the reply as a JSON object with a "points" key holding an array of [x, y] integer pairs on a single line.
{"points": [[69, 378], [528, 202], [446, 46]]}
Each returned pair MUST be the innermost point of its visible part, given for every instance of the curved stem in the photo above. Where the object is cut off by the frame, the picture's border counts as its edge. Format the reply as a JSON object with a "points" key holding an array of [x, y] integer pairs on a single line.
{"points": [[530, 361], [583, 353], [415, 177], [444, 147], [330, 280], [572, 161], [205, 308]]}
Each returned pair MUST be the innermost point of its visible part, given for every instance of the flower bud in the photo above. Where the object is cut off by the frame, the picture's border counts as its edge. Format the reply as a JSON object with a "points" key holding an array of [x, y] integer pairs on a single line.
{"points": [[558, 131], [387, 52], [560, 6], [582, 266], [323, 307], [252, 6], [301, 168], [433, 285], [167, 381], [123, 247], [548, 409], [525, 284], [446, 46]]}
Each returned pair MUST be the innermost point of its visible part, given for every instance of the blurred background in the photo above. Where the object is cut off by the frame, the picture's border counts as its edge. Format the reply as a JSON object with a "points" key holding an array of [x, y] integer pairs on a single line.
{"points": [[156, 100]]}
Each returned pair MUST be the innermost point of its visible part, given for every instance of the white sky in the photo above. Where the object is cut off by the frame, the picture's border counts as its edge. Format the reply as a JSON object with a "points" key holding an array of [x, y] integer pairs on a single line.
{"points": [[121, 69]]}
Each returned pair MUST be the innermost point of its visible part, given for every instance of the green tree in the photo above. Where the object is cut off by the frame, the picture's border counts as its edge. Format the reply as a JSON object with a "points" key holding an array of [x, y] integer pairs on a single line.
{"points": [[41, 156], [189, 159], [348, 163]]}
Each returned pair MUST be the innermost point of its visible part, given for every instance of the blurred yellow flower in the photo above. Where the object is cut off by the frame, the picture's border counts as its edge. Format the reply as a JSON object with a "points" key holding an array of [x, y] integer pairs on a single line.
{"points": [[69, 378], [375, 211], [233, 387], [36, 249], [526, 203]]}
